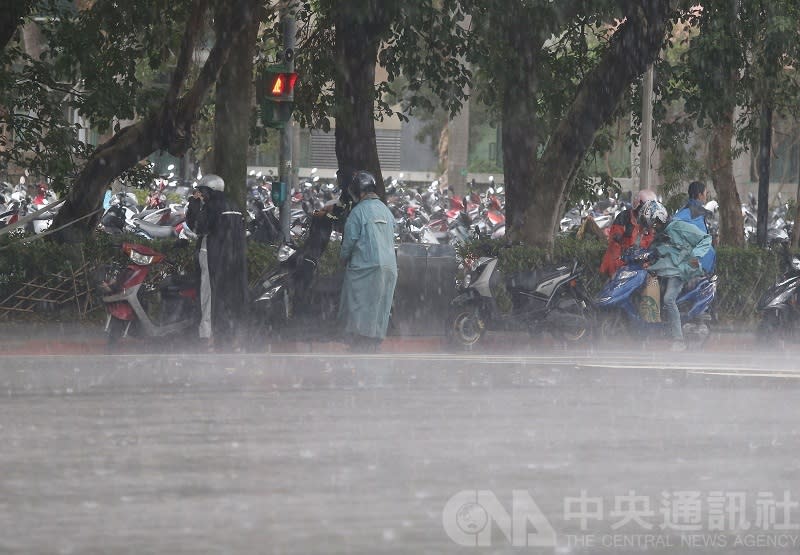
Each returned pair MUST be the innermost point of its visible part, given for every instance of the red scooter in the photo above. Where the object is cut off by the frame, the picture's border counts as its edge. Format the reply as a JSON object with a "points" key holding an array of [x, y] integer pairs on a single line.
{"points": [[130, 299]]}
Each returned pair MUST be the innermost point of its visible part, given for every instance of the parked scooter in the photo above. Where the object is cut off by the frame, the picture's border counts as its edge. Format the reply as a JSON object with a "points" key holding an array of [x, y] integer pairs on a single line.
{"points": [[278, 293], [780, 313], [552, 299], [44, 197], [130, 299], [618, 302]]}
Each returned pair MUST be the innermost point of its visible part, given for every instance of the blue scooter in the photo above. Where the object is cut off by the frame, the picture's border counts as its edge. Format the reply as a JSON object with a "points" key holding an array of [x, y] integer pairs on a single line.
{"points": [[618, 302]]}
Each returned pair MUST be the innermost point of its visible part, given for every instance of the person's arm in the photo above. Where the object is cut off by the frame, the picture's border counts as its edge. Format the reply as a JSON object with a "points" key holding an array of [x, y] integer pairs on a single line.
{"points": [[700, 249], [691, 234], [192, 210], [207, 218], [352, 233]]}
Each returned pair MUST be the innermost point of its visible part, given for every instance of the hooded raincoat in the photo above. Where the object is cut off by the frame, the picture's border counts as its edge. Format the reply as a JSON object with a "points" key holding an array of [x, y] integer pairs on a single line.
{"points": [[371, 273], [695, 213], [676, 246]]}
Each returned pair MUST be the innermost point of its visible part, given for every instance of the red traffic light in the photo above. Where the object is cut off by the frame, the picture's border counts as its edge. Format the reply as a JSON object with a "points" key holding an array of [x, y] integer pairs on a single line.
{"points": [[282, 84]]}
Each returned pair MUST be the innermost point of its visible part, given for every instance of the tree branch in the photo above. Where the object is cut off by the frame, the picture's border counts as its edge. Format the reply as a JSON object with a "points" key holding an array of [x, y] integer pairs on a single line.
{"points": [[190, 103], [193, 25]]}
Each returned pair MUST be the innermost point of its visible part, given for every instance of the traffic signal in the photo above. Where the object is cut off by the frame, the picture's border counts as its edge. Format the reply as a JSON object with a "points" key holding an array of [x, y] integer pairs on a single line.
{"points": [[278, 192], [281, 86], [275, 93]]}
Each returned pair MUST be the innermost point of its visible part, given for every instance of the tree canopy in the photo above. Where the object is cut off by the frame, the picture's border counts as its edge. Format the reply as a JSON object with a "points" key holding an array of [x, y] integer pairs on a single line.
{"points": [[552, 73]]}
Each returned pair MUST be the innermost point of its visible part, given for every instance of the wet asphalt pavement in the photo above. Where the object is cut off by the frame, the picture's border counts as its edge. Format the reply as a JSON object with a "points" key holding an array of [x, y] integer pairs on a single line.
{"points": [[330, 453]]}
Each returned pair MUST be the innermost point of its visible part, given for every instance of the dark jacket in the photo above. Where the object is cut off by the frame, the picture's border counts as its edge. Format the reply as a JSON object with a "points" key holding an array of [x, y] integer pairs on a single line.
{"points": [[221, 225]]}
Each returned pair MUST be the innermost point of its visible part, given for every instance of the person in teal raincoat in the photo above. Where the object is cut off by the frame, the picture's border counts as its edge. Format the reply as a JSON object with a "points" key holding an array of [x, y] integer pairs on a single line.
{"points": [[695, 213], [680, 246], [371, 266]]}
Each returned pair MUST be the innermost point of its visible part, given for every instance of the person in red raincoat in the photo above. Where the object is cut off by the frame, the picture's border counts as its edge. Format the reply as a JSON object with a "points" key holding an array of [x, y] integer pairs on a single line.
{"points": [[624, 233]]}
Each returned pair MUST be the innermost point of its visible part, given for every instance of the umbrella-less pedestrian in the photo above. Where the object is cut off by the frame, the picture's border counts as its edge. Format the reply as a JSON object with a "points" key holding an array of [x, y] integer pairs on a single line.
{"points": [[371, 271], [223, 263]]}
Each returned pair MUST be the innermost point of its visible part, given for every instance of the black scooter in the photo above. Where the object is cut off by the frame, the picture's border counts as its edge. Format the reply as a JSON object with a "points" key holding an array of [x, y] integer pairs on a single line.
{"points": [[778, 306], [551, 299], [284, 291]]}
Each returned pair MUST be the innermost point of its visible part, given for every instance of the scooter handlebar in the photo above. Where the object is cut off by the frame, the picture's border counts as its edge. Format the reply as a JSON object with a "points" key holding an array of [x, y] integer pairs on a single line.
{"points": [[639, 256]]}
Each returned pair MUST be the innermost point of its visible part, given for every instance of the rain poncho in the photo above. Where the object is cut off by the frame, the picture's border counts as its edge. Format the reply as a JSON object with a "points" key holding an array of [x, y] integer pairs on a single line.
{"points": [[695, 213], [223, 266], [371, 274], [676, 246]]}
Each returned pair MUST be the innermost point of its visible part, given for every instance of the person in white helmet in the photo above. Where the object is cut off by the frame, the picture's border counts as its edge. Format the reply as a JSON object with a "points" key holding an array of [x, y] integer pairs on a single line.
{"points": [[223, 264]]}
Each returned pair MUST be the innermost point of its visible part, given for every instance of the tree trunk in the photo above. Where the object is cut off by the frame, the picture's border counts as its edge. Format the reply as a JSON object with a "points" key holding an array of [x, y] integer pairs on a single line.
{"points": [[633, 47], [10, 19], [356, 56], [520, 142], [720, 162], [119, 153], [765, 148], [232, 114], [168, 129], [796, 227]]}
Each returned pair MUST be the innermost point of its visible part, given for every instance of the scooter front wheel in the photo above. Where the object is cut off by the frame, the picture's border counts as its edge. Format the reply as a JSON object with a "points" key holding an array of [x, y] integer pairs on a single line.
{"points": [[465, 327], [613, 326], [116, 329], [774, 327]]}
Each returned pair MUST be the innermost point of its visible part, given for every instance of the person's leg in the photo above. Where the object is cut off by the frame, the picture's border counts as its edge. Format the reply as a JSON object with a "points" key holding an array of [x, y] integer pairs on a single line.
{"points": [[674, 286], [205, 294]]}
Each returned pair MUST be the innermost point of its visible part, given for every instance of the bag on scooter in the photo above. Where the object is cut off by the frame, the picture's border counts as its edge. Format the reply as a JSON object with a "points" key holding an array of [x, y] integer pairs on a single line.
{"points": [[650, 304]]}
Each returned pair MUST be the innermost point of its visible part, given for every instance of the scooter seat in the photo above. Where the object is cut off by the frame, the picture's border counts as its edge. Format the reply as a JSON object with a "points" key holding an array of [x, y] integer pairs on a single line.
{"points": [[529, 280], [175, 283], [156, 231]]}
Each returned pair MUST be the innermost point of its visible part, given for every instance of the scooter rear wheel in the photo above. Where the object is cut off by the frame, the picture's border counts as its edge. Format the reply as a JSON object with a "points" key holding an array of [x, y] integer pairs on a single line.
{"points": [[465, 327], [581, 325]]}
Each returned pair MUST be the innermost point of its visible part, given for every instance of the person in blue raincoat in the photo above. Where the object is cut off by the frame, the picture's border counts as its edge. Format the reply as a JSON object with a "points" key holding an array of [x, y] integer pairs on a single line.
{"points": [[680, 247], [694, 212], [107, 198], [371, 266]]}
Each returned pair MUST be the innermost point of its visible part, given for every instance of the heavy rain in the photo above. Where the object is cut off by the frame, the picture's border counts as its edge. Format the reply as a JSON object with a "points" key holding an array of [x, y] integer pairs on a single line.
{"points": [[359, 277]]}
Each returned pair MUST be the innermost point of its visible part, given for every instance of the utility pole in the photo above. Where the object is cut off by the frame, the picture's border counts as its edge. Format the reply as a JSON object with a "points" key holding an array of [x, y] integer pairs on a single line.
{"points": [[647, 130], [285, 169]]}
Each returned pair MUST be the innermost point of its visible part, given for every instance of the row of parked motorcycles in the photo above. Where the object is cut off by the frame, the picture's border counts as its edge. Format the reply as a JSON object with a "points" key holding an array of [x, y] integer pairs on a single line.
{"points": [[16, 203]]}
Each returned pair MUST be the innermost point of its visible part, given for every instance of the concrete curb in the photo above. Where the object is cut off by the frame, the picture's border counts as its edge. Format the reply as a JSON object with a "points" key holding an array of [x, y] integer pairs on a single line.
{"points": [[76, 340]]}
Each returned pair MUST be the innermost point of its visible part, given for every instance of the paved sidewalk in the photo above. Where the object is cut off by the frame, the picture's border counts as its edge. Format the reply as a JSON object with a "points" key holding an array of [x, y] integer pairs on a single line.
{"points": [[89, 338]]}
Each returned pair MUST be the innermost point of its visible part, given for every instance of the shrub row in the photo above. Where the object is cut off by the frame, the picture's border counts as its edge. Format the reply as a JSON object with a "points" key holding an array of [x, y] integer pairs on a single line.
{"points": [[744, 273], [21, 261]]}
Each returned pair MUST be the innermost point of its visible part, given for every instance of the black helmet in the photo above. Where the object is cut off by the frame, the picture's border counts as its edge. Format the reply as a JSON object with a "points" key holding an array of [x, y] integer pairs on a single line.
{"points": [[362, 182]]}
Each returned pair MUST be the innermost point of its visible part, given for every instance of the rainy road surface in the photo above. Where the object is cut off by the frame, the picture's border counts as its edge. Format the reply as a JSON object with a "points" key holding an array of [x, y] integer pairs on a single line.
{"points": [[304, 454]]}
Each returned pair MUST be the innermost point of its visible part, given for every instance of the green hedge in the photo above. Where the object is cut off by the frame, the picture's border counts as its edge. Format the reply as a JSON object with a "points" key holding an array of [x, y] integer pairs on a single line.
{"points": [[744, 273], [21, 262]]}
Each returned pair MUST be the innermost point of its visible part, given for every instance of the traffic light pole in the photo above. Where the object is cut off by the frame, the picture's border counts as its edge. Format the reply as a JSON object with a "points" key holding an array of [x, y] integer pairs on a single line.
{"points": [[285, 169]]}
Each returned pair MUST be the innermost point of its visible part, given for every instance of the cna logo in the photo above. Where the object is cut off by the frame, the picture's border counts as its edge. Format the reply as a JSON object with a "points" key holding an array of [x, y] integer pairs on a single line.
{"points": [[468, 516]]}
